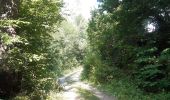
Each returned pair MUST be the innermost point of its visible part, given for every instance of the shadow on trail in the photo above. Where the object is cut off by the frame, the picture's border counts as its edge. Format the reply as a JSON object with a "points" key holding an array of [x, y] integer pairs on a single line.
{"points": [[74, 89], [69, 80]]}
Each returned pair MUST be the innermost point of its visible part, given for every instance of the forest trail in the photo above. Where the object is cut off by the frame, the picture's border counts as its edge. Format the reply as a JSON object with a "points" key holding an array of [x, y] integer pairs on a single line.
{"points": [[75, 89]]}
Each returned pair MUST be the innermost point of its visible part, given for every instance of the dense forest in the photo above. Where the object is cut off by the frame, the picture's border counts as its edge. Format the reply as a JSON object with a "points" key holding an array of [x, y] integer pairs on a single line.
{"points": [[26, 59], [129, 40], [124, 48], [37, 44]]}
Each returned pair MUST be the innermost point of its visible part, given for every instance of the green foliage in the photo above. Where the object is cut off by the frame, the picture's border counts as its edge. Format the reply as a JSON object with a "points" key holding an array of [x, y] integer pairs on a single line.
{"points": [[165, 58], [123, 88], [28, 51], [151, 74], [35, 56], [97, 70], [14, 23], [87, 95], [68, 45], [21, 98], [119, 31], [91, 62]]}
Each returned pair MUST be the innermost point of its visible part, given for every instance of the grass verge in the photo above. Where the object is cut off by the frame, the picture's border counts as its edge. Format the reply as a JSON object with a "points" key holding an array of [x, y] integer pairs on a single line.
{"points": [[86, 95], [123, 89]]}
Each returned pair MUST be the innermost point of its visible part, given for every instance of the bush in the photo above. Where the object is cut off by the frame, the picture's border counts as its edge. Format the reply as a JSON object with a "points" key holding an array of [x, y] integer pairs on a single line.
{"points": [[152, 70], [95, 69], [91, 61]]}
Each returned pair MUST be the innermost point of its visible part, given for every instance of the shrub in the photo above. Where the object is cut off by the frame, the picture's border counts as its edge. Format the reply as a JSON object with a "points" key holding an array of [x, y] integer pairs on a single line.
{"points": [[152, 70]]}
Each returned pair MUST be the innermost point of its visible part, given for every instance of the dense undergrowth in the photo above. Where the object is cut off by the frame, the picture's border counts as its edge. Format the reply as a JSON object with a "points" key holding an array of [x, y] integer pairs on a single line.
{"points": [[130, 38], [128, 47], [119, 84], [27, 67], [37, 44], [123, 89]]}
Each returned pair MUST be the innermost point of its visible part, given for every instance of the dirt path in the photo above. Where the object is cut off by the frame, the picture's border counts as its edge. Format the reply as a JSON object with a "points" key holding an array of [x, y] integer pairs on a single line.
{"points": [[74, 89]]}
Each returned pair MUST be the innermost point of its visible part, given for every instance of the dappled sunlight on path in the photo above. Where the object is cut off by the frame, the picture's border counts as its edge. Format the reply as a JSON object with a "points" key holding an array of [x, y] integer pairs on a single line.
{"points": [[73, 87]]}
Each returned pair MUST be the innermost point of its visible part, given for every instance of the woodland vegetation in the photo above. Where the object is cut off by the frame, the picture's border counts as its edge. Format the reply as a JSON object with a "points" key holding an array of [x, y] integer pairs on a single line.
{"points": [[129, 42], [36, 45], [125, 49]]}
